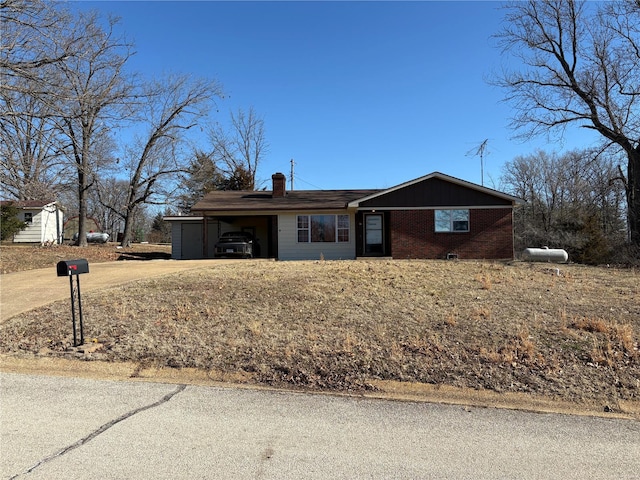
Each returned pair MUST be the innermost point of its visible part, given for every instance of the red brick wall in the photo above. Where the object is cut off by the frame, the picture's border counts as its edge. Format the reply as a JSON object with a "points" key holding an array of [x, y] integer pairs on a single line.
{"points": [[279, 184], [490, 235]]}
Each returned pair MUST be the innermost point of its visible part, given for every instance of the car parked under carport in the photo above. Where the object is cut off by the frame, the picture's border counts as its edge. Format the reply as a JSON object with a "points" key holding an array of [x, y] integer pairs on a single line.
{"points": [[235, 244]]}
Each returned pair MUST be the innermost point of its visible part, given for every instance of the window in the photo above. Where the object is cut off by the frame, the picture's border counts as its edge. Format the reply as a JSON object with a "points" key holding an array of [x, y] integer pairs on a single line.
{"points": [[303, 228], [343, 228], [452, 221], [323, 228], [28, 218]]}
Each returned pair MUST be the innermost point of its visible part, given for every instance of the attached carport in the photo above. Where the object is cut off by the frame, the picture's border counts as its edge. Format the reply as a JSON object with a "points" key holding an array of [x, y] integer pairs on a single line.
{"points": [[194, 237]]}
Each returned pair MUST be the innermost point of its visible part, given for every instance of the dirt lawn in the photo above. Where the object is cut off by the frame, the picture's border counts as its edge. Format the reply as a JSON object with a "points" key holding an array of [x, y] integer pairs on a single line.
{"points": [[544, 334]]}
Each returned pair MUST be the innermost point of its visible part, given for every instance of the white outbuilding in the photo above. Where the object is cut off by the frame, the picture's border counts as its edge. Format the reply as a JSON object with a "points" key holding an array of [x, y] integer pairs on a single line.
{"points": [[44, 220]]}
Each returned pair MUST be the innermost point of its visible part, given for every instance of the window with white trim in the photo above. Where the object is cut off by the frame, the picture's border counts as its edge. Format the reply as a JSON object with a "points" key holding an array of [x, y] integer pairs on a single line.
{"points": [[28, 218], [452, 220], [323, 228]]}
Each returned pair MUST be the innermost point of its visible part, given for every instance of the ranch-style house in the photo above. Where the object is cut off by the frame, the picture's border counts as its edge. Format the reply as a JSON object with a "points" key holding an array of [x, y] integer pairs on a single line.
{"points": [[435, 216]]}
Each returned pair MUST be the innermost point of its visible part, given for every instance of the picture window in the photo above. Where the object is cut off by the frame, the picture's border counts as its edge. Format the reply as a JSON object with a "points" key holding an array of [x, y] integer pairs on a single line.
{"points": [[323, 228]]}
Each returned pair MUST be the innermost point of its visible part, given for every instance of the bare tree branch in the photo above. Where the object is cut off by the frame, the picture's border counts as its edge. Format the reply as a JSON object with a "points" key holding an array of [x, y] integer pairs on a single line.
{"points": [[173, 106], [580, 66], [96, 90], [238, 152]]}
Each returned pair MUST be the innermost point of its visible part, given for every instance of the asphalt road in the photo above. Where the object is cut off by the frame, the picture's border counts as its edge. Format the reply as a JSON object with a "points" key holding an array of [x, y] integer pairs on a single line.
{"points": [[70, 428]]}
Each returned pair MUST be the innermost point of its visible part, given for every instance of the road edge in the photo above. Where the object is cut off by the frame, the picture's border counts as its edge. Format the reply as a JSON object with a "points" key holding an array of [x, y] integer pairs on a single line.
{"points": [[385, 390]]}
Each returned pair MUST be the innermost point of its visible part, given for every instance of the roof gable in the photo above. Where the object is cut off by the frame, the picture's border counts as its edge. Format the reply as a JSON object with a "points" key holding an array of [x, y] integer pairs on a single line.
{"points": [[435, 190]]}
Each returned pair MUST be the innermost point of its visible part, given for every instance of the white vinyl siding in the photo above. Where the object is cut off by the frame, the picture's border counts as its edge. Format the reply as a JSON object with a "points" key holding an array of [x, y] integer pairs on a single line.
{"points": [[43, 227], [33, 232], [49, 225], [289, 248]]}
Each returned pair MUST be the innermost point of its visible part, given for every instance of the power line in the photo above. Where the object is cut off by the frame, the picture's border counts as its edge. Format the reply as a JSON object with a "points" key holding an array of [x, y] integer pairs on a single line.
{"points": [[293, 176], [308, 183]]}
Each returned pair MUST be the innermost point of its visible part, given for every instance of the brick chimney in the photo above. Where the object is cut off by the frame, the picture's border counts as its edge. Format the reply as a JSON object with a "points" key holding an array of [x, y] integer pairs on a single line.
{"points": [[279, 185]]}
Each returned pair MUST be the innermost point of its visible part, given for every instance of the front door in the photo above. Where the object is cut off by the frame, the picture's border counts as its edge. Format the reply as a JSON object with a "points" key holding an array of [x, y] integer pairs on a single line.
{"points": [[373, 234]]}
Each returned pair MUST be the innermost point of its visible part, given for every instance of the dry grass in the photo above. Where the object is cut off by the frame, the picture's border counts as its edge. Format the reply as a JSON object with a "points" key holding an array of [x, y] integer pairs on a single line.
{"points": [[345, 325], [21, 257]]}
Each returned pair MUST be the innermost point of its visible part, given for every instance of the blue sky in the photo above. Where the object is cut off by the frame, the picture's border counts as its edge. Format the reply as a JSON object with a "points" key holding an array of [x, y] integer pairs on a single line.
{"points": [[359, 94]]}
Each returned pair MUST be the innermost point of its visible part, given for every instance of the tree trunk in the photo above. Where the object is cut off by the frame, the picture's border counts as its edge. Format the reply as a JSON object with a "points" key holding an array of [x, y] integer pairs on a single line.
{"points": [[82, 208], [633, 196], [128, 230]]}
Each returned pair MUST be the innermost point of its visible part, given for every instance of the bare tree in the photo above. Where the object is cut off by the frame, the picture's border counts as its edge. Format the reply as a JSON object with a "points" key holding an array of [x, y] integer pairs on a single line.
{"points": [[33, 42], [106, 204], [171, 107], [581, 67], [572, 202], [238, 151], [33, 39], [96, 90], [32, 164]]}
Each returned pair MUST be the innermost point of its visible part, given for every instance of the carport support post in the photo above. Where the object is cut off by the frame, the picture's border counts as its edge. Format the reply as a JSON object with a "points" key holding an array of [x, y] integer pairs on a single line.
{"points": [[205, 237]]}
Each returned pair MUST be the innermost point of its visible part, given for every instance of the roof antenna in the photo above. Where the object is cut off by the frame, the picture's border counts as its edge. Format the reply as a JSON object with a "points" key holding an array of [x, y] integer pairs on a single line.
{"points": [[291, 178], [479, 152]]}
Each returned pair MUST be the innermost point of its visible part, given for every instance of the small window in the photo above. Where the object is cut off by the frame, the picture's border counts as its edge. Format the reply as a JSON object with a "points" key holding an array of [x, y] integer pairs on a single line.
{"points": [[343, 228], [303, 228], [28, 218], [452, 220]]}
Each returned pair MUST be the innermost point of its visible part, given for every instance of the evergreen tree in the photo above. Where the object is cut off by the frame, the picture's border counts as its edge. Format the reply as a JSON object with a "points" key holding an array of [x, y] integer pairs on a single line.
{"points": [[9, 223]]}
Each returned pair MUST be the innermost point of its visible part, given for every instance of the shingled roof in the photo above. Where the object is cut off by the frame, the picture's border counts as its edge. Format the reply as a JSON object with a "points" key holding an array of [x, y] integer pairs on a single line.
{"points": [[442, 190], [27, 203], [223, 201]]}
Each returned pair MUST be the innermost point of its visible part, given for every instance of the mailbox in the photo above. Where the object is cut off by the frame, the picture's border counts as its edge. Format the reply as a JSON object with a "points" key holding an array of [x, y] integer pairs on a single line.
{"points": [[72, 267]]}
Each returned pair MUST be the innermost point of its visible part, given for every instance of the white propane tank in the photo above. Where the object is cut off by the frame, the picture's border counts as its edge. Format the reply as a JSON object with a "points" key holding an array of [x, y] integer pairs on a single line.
{"points": [[545, 254]]}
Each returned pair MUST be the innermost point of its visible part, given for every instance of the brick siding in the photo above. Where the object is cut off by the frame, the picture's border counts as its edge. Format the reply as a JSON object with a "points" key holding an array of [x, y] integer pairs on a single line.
{"points": [[490, 235]]}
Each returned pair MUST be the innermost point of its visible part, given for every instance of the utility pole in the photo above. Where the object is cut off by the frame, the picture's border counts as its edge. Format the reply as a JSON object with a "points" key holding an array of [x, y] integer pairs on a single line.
{"points": [[291, 176]]}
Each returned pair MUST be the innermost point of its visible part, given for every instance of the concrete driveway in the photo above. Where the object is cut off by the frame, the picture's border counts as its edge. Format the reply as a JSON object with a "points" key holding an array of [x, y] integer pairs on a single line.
{"points": [[24, 291]]}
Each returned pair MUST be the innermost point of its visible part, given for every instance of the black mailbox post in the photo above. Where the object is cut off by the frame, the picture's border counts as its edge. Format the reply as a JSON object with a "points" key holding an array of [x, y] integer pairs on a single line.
{"points": [[73, 268]]}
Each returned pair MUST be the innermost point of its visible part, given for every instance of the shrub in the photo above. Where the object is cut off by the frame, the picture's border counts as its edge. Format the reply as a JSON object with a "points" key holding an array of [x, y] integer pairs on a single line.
{"points": [[9, 223]]}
